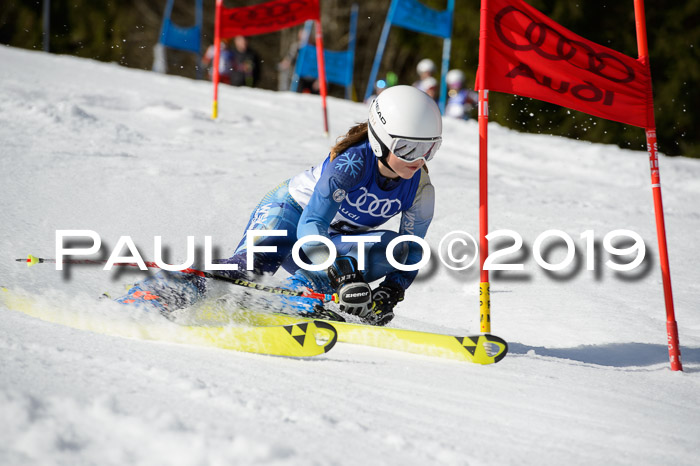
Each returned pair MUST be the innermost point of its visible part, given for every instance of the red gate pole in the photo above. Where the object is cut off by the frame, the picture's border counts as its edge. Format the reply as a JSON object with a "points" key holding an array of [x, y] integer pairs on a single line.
{"points": [[215, 64], [674, 352], [484, 286], [321, 73]]}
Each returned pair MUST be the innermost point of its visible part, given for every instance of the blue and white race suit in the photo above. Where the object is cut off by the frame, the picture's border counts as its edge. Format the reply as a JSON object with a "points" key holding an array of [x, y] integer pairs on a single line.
{"points": [[345, 196], [341, 197]]}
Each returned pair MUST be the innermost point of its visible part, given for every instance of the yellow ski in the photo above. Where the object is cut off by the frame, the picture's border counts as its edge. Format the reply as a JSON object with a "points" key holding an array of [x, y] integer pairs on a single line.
{"points": [[301, 339], [479, 349], [293, 339]]}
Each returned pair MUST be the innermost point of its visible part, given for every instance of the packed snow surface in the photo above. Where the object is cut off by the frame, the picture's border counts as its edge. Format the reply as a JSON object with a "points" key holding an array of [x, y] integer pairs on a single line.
{"points": [[93, 146]]}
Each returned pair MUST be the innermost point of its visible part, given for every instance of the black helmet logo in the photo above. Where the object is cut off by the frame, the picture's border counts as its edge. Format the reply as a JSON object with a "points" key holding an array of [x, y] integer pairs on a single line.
{"points": [[379, 112]]}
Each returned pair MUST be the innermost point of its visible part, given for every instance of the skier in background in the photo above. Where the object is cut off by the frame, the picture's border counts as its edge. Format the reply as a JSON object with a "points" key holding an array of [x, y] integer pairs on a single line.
{"points": [[460, 100], [375, 172]]}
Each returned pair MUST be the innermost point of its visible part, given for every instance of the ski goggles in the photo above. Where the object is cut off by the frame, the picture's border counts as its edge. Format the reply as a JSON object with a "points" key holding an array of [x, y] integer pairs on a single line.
{"points": [[407, 149], [410, 150]]}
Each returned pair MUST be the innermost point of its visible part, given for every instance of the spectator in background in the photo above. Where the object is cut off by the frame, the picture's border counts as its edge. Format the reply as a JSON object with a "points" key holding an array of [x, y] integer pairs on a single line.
{"points": [[309, 86], [245, 63], [224, 62], [425, 69], [285, 68], [460, 100], [429, 85]]}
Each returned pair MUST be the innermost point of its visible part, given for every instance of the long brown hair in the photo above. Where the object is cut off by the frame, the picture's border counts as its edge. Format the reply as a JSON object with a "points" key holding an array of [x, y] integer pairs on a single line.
{"points": [[354, 135]]}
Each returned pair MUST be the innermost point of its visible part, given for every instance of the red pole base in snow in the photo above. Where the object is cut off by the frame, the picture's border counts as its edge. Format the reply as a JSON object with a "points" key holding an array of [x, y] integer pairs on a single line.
{"points": [[674, 349], [674, 353]]}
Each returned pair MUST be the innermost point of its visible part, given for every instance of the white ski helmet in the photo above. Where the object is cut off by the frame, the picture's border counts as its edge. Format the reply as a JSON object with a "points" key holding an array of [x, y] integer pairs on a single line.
{"points": [[405, 121], [426, 65], [455, 78], [426, 84]]}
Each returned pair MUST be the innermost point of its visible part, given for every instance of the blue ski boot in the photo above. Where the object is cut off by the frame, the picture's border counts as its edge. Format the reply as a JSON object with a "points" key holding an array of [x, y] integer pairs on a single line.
{"points": [[165, 292], [303, 306]]}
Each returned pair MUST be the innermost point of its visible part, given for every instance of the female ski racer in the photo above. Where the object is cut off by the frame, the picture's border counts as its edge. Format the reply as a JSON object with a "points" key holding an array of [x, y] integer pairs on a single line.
{"points": [[373, 173]]}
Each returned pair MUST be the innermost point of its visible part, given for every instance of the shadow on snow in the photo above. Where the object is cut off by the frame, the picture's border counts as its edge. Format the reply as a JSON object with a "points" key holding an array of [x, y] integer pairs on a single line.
{"points": [[613, 355]]}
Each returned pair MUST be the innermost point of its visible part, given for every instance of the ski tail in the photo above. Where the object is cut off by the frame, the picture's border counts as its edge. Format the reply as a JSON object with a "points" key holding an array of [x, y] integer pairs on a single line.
{"points": [[292, 339], [301, 339]]}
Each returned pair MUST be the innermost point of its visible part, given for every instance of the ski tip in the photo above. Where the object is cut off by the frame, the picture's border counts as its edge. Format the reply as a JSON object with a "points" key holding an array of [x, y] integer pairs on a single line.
{"points": [[331, 336], [499, 347], [31, 260]]}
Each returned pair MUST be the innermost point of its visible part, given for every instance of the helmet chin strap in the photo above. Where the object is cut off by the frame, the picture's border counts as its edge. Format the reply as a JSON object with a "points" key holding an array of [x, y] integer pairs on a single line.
{"points": [[383, 160], [385, 150]]}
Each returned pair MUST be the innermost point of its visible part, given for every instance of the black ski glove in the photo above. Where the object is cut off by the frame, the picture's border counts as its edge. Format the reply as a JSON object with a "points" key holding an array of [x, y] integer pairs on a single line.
{"points": [[354, 294], [384, 298]]}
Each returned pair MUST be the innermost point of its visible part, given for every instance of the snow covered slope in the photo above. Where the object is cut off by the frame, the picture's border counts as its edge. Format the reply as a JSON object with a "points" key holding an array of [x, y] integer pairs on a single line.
{"points": [[88, 145]]}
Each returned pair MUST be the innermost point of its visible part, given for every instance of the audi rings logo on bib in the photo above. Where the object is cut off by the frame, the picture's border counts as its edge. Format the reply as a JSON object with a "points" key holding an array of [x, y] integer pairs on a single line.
{"points": [[368, 203]]}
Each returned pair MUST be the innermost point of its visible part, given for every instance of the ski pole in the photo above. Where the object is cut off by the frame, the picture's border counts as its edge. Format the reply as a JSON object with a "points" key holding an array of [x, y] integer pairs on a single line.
{"points": [[32, 260]]}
